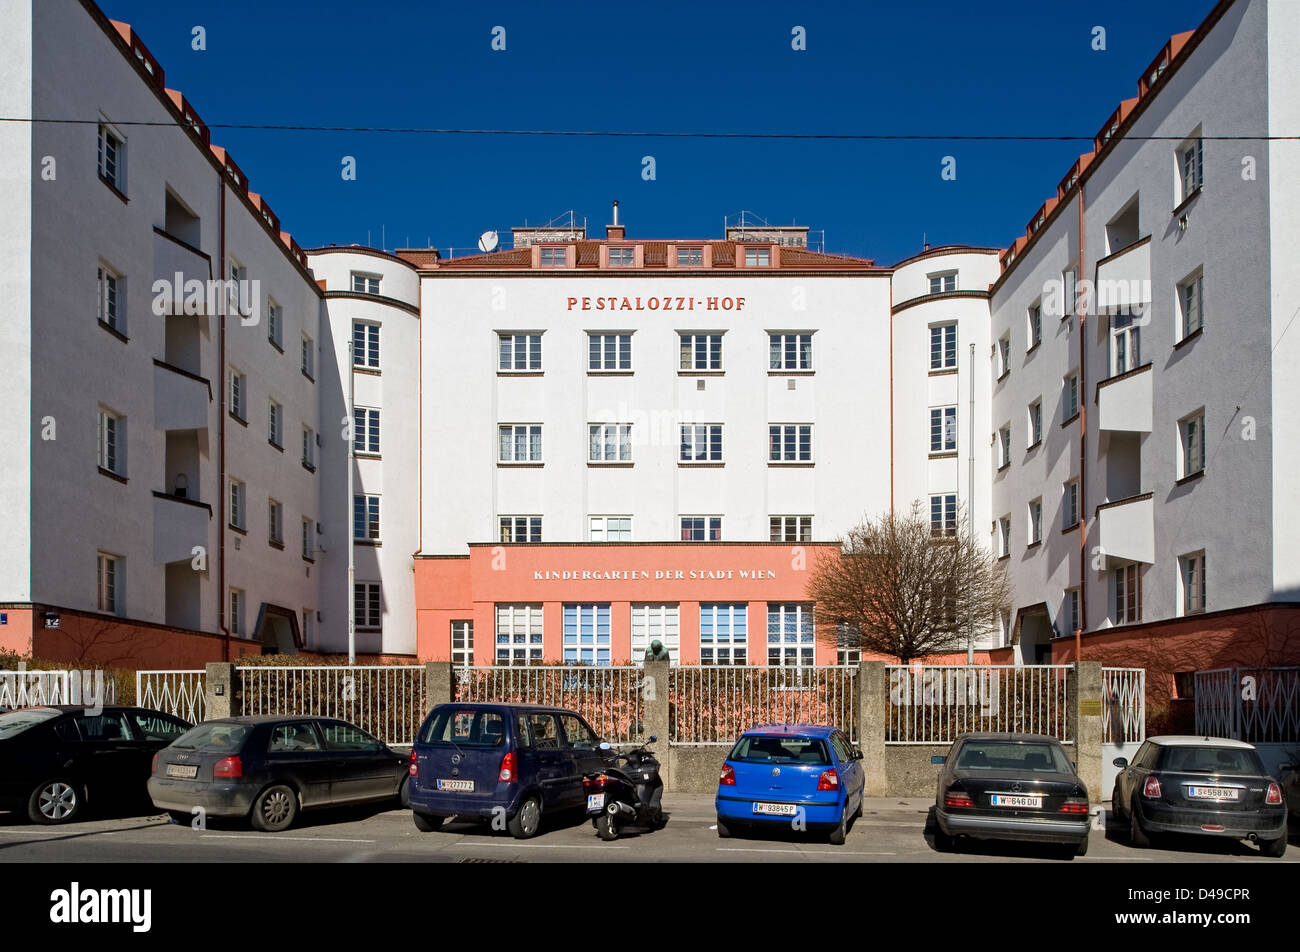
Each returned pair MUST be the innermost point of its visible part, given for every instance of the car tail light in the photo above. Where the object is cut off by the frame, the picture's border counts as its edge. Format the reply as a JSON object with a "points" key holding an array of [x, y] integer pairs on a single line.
{"points": [[829, 780], [1274, 796], [1076, 807], [958, 798], [414, 770], [1151, 789], [153, 767], [229, 768], [507, 772], [728, 778]]}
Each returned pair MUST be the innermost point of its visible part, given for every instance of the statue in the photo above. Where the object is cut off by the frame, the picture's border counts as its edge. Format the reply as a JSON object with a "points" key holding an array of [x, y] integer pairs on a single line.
{"points": [[656, 651]]}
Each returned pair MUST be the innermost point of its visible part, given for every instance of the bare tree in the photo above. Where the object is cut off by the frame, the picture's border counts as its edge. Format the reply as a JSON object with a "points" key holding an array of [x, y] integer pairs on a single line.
{"points": [[902, 588]]}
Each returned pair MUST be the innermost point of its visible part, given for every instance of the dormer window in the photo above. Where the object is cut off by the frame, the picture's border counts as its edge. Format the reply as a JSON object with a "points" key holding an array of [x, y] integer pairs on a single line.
{"points": [[758, 257], [554, 257], [622, 257], [690, 257]]}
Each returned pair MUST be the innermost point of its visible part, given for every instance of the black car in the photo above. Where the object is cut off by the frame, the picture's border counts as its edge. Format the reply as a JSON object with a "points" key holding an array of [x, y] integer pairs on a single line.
{"points": [[1010, 787], [1291, 790], [56, 761], [269, 768], [1208, 786]]}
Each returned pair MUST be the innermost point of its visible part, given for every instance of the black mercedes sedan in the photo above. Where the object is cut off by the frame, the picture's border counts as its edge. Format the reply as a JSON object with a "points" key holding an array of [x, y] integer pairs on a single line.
{"points": [[1010, 787], [57, 761], [270, 768], [1207, 786]]}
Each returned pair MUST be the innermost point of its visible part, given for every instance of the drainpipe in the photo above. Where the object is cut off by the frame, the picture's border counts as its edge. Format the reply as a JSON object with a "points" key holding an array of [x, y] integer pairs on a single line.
{"points": [[221, 430], [351, 530], [970, 495], [891, 393], [1083, 447]]}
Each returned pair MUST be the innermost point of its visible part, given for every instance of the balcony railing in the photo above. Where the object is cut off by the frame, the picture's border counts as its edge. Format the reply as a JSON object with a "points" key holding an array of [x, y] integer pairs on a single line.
{"points": [[1125, 401], [1126, 528], [1124, 278], [181, 399], [179, 524], [178, 264]]}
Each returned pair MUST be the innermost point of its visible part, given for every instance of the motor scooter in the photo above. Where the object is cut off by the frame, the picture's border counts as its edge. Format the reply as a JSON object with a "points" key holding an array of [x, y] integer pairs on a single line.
{"points": [[625, 796]]}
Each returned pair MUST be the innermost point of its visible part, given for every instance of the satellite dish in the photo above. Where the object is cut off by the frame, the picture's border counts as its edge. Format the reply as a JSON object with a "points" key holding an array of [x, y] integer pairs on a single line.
{"points": [[487, 241]]}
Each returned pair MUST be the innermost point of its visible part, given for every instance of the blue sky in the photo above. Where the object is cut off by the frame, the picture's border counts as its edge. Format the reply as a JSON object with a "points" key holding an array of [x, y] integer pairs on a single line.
{"points": [[935, 68]]}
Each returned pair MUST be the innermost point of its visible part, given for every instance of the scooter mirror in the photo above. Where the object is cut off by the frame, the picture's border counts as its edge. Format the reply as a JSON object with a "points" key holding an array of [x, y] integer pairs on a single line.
{"points": [[604, 745]]}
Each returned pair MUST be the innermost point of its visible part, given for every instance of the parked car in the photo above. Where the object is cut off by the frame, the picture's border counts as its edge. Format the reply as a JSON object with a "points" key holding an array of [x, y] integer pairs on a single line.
{"points": [[270, 768], [515, 762], [56, 761], [1209, 786], [777, 774], [1291, 790], [1010, 787]]}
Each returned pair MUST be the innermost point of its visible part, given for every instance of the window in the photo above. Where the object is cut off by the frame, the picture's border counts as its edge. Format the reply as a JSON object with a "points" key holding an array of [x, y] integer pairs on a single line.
{"points": [[1036, 521], [1190, 169], [1035, 422], [1191, 440], [1191, 583], [690, 257], [1004, 447], [1004, 357], [701, 443], [365, 430], [943, 429], [275, 425], [947, 281], [790, 352], [462, 643], [848, 644], [365, 517], [309, 448], [1004, 536], [610, 529], [519, 634], [365, 283], [236, 611], [608, 352], [520, 443], [238, 386], [758, 257], [554, 257], [1069, 292], [237, 504], [1191, 306], [275, 523], [110, 312], [586, 634], [308, 538], [1072, 616], [609, 443], [1126, 343], [701, 528], [520, 528], [367, 604], [365, 345], [1128, 594], [109, 597], [943, 347], [519, 352], [790, 641], [1070, 398], [701, 351], [308, 357], [112, 442], [943, 514], [622, 257], [237, 290], [112, 159], [723, 633], [275, 324], [577, 734], [790, 528], [652, 622], [789, 443], [1070, 505], [1035, 326]]}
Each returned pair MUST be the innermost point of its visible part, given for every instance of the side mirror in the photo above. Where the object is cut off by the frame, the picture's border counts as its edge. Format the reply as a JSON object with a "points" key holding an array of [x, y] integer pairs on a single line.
{"points": [[1120, 762], [652, 739], [937, 759], [604, 745], [857, 753]]}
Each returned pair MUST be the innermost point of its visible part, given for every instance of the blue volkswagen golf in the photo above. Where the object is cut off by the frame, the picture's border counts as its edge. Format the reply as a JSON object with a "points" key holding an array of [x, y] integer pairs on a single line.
{"points": [[785, 774]]}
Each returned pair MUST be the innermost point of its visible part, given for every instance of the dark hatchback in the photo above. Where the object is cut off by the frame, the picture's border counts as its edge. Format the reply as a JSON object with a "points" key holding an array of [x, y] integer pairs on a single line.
{"points": [[270, 768], [1010, 787], [1207, 786], [57, 761]]}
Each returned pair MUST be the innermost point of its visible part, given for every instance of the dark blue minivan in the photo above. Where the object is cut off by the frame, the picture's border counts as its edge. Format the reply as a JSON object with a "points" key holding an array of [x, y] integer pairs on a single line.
{"points": [[508, 764]]}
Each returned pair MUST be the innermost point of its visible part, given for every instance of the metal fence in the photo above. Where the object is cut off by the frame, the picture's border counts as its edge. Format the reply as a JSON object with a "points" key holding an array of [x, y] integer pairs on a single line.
{"points": [[712, 705], [1257, 705], [387, 701], [1123, 705], [178, 692], [609, 698], [32, 688], [932, 704]]}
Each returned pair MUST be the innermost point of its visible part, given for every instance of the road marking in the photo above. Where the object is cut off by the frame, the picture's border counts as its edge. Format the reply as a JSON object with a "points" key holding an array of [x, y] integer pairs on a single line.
{"points": [[275, 838], [543, 846], [740, 849], [64, 831]]}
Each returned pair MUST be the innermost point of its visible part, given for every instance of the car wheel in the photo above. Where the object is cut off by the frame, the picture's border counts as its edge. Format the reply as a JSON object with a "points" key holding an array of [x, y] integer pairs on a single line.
{"points": [[426, 823], [527, 819], [55, 801], [1082, 848], [1137, 836], [275, 809], [606, 827], [1274, 848], [841, 832], [404, 793], [724, 832]]}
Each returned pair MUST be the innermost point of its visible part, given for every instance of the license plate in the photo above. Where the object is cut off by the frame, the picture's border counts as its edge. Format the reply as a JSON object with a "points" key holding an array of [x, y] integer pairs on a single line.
{"points": [[595, 801], [1009, 800], [776, 809], [182, 771], [456, 785], [1212, 793]]}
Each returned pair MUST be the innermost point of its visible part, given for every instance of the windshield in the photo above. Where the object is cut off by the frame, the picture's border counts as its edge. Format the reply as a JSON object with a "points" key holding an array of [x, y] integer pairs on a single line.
{"points": [[215, 736], [465, 727], [1023, 757], [15, 722], [764, 749]]}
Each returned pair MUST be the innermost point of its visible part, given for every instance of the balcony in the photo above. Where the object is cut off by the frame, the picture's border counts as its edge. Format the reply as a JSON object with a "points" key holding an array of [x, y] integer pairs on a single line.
{"points": [[187, 271], [1125, 402], [179, 524], [180, 398], [1124, 278], [1126, 528]]}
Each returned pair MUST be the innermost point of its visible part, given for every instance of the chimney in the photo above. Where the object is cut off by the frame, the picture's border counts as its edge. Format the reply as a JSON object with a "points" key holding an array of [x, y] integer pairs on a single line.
{"points": [[615, 232]]}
